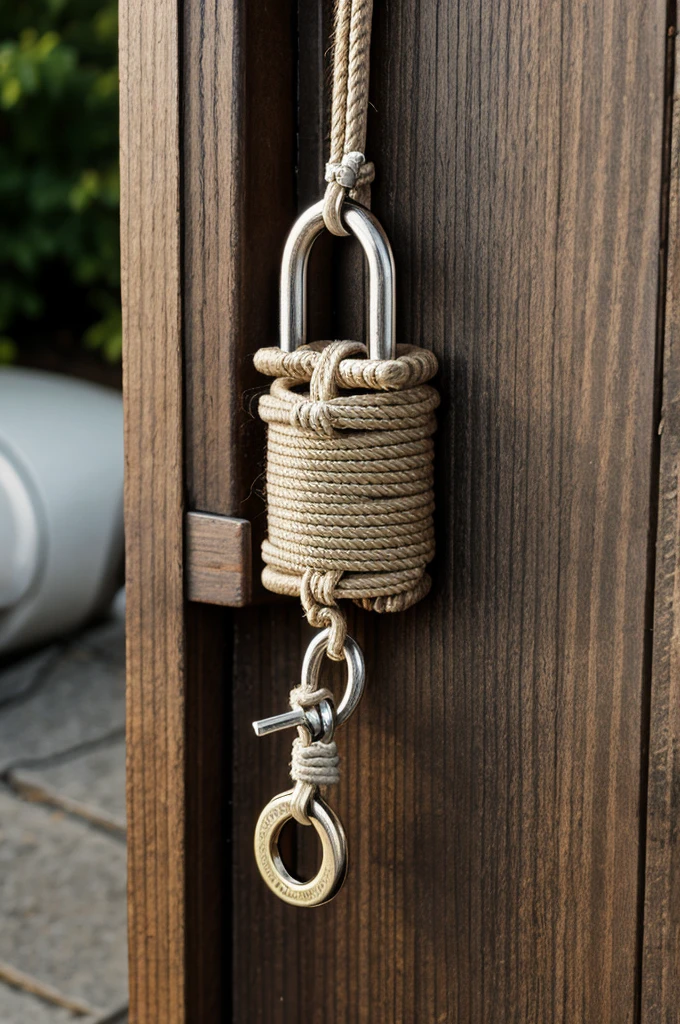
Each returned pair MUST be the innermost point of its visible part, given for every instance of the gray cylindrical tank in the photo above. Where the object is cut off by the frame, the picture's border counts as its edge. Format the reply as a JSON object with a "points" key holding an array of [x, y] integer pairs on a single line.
{"points": [[61, 503]]}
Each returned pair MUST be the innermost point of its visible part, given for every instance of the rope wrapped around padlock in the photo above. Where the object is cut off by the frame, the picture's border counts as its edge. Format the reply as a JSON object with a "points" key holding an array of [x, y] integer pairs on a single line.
{"points": [[349, 479]]}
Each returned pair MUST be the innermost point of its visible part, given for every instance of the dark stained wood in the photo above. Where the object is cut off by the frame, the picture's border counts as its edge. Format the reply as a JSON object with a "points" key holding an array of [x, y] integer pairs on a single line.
{"points": [[208, 815], [661, 949], [238, 200], [218, 560], [239, 189], [492, 780], [150, 235]]}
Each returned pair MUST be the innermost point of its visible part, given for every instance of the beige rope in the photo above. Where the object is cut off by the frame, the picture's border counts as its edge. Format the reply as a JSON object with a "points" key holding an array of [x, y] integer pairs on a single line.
{"points": [[347, 169], [349, 479], [312, 763]]}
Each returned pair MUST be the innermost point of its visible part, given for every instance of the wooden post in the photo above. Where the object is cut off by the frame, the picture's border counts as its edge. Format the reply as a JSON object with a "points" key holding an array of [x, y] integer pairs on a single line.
{"points": [[154, 509], [509, 862], [193, 288], [660, 994]]}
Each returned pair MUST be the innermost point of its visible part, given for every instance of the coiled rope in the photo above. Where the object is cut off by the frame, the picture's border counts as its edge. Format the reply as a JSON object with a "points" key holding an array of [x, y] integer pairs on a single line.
{"points": [[349, 479]]}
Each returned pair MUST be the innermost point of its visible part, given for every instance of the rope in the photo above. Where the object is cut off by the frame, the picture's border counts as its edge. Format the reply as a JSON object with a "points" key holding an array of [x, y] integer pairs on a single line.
{"points": [[312, 763], [349, 479], [315, 763], [347, 169]]}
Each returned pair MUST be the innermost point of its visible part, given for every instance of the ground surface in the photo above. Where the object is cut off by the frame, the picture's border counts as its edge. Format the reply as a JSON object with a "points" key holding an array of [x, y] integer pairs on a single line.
{"points": [[63, 955]]}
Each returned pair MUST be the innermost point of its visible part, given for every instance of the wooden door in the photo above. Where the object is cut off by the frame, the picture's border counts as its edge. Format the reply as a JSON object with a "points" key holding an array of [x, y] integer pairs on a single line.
{"points": [[510, 783]]}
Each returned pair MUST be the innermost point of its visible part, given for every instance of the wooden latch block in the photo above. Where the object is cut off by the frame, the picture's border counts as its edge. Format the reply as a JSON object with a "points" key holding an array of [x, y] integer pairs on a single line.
{"points": [[218, 559]]}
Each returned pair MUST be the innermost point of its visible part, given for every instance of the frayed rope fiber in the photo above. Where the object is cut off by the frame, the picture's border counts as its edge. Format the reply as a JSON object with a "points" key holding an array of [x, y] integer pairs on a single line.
{"points": [[349, 478]]}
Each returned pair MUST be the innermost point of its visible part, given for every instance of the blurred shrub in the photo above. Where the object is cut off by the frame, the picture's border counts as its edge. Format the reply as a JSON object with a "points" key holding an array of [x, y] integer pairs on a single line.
{"points": [[59, 250]]}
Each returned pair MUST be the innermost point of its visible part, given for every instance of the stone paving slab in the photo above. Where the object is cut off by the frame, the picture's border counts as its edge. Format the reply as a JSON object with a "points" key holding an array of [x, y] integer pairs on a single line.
{"points": [[81, 700], [17, 677], [62, 894], [107, 638], [90, 784], [18, 1007]]}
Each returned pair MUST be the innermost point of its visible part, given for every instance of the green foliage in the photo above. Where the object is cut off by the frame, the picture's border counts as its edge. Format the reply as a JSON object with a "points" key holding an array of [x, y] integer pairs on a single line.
{"points": [[59, 185]]}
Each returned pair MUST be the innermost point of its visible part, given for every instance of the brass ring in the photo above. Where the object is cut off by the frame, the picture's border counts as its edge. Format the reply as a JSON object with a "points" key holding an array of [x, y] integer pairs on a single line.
{"points": [[330, 875]]}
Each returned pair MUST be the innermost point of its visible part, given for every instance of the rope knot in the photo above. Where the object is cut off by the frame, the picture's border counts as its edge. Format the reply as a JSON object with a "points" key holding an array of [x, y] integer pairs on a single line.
{"points": [[313, 416], [320, 586], [314, 413], [299, 697], [352, 172], [317, 596], [323, 384], [315, 763]]}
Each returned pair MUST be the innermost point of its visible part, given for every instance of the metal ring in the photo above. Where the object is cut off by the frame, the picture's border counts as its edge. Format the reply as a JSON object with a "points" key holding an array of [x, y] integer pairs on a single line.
{"points": [[333, 870], [356, 672], [327, 717], [319, 721]]}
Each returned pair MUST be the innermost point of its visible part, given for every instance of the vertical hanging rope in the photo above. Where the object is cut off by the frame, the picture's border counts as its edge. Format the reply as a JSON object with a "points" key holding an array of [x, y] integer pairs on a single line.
{"points": [[347, 169]]}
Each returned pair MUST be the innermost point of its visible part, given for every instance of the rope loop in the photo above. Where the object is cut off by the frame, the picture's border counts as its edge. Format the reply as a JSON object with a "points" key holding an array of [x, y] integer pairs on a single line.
{"points": [[317, 596], [413, 366]]}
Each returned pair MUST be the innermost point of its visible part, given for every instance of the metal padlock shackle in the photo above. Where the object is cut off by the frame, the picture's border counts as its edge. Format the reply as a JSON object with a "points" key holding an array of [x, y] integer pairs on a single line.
{"points": [[361, 223]]}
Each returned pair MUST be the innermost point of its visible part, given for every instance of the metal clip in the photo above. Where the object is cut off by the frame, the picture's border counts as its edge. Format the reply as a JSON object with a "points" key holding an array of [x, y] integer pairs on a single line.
{"points": [[311, 666], [321, 721]]}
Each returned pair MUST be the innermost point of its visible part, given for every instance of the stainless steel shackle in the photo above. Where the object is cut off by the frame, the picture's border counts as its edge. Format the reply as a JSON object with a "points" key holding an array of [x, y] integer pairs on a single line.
{"points": [[361, 223]]}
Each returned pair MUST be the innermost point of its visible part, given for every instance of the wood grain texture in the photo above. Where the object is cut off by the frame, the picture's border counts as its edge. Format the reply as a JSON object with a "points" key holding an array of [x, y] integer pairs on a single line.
{"points": [[150, 237], [492, 780], [661, 948], [218, 560], [239, 188], [207, 816]]}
